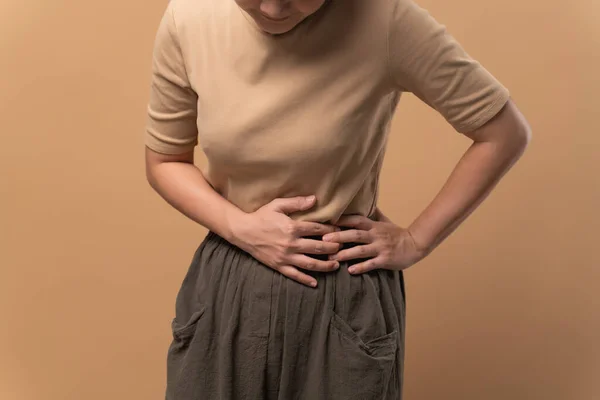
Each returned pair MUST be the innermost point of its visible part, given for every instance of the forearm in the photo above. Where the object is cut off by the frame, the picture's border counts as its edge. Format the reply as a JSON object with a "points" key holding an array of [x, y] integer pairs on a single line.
{"points": [[184, 187], [476, 174]]}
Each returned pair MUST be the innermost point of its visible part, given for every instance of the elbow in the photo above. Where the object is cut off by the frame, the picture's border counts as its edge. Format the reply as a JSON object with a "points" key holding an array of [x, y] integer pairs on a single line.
{"points": [[508, 133], [154, 160], [524, 131], [512, 131], [150, 177], [522, 136], [514, 142], [521, 130], [150, 163]]}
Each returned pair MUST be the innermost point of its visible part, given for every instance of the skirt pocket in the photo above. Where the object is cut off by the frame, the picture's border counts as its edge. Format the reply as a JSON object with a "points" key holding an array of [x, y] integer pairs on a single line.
{"points": [[182, 332], [183, 359], [358, 369], [381, 347]]}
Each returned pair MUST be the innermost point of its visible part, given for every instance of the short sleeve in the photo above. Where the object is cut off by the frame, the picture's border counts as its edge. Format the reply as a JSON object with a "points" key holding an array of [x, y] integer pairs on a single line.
{"points": [[172, 107], [427, 61]]}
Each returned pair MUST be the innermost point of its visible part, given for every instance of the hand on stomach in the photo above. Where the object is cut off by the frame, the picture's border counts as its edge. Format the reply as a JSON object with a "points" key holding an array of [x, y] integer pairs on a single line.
{"points": [[281, 243]]}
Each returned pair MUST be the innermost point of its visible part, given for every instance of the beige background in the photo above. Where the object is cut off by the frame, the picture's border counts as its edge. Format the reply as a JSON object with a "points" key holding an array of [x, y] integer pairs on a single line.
{"points": [[91, 258]]}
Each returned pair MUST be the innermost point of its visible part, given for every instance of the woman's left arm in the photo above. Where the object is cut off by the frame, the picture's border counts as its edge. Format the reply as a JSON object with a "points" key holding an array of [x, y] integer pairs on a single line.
{"points": [[424, 59], [497, 145]]}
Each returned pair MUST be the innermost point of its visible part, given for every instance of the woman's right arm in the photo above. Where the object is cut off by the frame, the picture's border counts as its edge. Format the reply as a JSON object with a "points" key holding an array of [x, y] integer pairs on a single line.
{"points": [[181, 184], [268, 234]]}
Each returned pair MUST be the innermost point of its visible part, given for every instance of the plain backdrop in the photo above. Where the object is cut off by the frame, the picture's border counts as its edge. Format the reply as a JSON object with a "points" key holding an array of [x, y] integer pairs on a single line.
{"points": [[91, 258]]}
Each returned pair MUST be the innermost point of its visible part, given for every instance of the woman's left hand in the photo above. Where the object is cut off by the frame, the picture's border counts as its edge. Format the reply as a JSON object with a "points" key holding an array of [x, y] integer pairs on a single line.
{"points": [[384, 244]]}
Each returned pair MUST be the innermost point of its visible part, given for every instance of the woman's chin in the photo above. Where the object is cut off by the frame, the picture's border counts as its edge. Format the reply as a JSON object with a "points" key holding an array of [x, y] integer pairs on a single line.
{"points": [[277, 28]]}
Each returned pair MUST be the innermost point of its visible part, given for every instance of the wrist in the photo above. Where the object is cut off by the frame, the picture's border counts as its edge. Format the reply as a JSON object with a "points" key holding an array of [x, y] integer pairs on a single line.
{"points": [[421, 242], [234, 222]]}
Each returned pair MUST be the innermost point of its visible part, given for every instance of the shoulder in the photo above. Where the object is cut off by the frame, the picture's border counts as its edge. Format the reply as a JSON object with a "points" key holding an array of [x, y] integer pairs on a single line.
{"points": [[193, 12], [387, 16]]}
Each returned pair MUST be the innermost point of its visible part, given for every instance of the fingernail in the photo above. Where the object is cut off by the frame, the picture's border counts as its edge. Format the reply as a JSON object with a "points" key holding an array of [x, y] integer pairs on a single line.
{"points": [[313, 284], [352, 270], [337, 229], [310, 198], [336, 265]]}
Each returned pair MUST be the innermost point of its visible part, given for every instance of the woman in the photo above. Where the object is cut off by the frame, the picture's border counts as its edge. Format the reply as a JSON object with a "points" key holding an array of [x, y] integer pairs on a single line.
{"points": [[297, 292]]}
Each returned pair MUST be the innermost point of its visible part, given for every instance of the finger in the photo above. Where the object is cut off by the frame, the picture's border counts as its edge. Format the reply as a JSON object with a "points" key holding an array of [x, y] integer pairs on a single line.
{"points": [[314, 228], [298, 276], [355, 221], [366, 266], [312, 264], [355, 253], [292, 204], [310, 246], [349, 236]]}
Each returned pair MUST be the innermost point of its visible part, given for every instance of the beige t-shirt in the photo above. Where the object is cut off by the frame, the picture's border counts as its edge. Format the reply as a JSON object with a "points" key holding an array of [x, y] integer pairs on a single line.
{"points": [[307, 112]]}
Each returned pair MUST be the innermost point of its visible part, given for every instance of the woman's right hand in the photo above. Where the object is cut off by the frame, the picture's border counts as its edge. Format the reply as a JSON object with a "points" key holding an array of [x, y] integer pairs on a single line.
{"points": [[279, 242]]}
